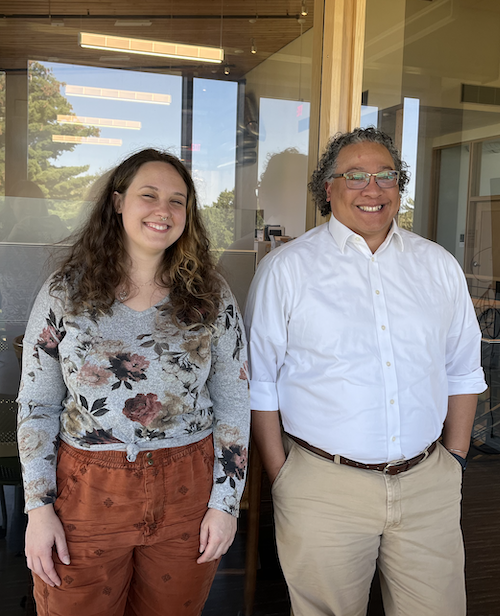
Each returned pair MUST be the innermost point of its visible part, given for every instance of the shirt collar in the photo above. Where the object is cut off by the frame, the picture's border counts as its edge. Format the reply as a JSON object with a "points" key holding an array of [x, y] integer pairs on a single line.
{"points": [[341, 234]]}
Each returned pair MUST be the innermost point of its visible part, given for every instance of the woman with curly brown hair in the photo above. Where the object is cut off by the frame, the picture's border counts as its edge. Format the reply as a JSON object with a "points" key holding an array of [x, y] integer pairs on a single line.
{"points": [[134, 411]]}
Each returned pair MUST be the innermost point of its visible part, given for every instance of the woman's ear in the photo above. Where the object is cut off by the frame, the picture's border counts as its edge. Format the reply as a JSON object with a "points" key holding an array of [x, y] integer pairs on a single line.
{"points": [[117, 202]]}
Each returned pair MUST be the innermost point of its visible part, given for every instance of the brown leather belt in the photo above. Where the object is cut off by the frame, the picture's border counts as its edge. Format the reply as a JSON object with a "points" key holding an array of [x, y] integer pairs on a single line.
{"points": [[391, 468]]}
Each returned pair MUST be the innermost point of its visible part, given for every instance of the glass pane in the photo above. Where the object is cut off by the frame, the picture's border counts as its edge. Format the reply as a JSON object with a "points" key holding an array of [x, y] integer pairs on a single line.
{"points": [[283, 146], [489, 182], [444, 57], [72, 113], [75, 112]]}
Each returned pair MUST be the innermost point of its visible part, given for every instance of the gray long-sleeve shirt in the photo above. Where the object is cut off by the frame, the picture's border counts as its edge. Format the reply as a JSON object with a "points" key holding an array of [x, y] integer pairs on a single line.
{"points": [[131, 381]]}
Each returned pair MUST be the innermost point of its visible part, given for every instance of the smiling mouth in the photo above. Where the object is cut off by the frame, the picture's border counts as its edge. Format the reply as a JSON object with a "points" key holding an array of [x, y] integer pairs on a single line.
{"points": [[157, 226], [370, 208]]}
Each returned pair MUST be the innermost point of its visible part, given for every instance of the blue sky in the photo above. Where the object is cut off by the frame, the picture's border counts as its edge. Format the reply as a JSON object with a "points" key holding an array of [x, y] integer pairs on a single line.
{"points": [[160, 123], [283, 124]]}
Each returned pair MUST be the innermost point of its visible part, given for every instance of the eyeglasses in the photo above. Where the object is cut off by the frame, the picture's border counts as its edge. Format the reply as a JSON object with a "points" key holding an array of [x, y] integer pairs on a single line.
{"points": [[360, 179]]}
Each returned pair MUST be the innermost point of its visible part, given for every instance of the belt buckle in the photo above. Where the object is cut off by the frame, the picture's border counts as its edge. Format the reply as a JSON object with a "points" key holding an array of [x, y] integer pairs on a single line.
{"points": [[393, 464]]}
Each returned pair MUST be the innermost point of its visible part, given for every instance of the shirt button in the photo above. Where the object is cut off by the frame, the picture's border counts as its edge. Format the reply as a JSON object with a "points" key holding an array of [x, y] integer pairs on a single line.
{"points": [[392, 401], [373, 259], [388, 363], [377, 292], [383, 327], [393, 439], [150, 462], [149, 454]]}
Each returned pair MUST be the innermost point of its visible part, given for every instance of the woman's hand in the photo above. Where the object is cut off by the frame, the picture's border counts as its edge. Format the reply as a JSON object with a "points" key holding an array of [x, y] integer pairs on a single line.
{"points": [[217, 532], [44, 530]]}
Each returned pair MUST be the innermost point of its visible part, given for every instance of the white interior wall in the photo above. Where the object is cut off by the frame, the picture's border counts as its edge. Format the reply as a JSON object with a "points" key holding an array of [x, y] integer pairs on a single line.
{"points": [[452, 207]]}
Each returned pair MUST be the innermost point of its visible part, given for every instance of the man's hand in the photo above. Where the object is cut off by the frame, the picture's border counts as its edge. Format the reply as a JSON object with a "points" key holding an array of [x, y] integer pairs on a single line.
{"points": [[217, 532], [273, 473], [44, 530], [458, 423]]}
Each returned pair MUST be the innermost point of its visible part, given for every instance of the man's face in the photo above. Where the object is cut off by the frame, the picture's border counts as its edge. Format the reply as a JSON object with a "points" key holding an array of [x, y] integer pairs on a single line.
{"points": [[369, 211]]}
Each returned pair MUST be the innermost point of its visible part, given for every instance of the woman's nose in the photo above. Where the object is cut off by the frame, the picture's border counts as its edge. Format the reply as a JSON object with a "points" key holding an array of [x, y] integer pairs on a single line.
{"points": [[164, 209]]}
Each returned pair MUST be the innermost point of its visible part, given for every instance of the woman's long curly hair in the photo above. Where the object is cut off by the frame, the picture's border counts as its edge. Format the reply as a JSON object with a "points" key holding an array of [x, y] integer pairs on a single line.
{"points": [[98, 262]]}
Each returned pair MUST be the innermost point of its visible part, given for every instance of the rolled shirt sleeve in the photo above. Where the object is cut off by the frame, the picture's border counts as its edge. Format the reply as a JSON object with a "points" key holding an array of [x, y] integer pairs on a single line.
{"points": [[266, 317], [463, 348]]}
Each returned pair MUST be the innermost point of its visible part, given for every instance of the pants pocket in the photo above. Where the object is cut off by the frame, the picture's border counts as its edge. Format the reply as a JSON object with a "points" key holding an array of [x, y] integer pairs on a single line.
{"points": [[284, 469], [66, 478]]}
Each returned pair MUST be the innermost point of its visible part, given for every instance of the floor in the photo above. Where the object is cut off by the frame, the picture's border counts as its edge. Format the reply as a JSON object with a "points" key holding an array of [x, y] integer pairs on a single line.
{"points": [[481, 525]]}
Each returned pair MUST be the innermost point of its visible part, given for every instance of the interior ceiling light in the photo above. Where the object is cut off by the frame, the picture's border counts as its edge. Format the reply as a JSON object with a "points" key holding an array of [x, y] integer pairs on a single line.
{"points": [[114, 59], [147, 47], [118, 95], [254, 48], [86, 140], [102, 122], [135, 23], [303, 8]]}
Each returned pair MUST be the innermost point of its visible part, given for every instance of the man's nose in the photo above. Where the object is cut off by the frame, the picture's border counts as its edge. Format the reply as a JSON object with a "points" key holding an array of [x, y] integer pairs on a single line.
{"points": [[372, 186]]}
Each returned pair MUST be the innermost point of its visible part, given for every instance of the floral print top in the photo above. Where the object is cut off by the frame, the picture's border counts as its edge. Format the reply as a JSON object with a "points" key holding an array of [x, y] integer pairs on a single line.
{"points": [[131, 381]]}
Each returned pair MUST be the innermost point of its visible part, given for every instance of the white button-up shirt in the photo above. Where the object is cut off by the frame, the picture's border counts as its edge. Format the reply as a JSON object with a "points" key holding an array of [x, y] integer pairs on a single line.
{"points": [[360, 351]]}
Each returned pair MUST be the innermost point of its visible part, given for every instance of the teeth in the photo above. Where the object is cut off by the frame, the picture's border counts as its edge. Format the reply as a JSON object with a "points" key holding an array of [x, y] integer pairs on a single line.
{"points": [[368, 208], [155, 225]]}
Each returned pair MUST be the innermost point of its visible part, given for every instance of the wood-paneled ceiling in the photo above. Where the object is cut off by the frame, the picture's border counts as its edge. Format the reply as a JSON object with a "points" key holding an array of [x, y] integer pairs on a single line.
{"points": [[47, 30]]}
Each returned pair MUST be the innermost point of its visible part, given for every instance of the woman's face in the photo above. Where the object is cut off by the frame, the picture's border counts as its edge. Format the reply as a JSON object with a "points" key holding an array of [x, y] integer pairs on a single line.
{"points": [[153, 210]]}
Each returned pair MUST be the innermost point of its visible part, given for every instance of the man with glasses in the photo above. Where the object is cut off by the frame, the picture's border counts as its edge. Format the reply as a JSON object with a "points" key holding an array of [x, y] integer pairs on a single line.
{"points": [[363, 337]]}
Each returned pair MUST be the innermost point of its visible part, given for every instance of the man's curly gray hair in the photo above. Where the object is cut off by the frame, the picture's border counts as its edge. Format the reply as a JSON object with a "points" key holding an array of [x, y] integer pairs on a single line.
{"points": [[328, 162]]}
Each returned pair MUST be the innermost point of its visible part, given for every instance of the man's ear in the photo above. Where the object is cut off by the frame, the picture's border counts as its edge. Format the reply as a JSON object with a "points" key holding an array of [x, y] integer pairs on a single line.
{"points": [[117, 202], [328, 188]]}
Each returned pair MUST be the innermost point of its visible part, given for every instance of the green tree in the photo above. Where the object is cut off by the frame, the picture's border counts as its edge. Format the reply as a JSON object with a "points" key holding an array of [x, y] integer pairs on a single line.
{"points": [[219, 220], [45, 103], [405, 216]]}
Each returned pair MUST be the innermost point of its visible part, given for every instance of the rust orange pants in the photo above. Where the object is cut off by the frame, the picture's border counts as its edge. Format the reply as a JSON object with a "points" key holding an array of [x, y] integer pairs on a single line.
{"points": [[133, 533]]}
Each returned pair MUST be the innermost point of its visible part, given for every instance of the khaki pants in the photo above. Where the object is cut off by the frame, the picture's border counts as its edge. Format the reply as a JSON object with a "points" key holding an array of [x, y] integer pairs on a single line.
{"points": [[334, 523], [133, 533]]}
